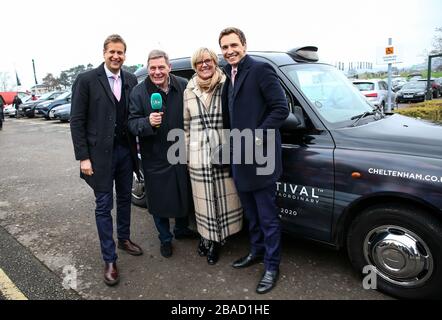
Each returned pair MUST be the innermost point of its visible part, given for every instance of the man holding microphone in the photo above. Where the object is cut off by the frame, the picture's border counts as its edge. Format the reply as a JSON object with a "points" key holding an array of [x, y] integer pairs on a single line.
{"points": [[156, 107]]}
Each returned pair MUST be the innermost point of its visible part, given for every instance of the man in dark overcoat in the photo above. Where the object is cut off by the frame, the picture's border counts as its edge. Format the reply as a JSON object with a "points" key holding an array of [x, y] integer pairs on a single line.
{"points": [[167, 185], [253, 100], [16, 103], [105, 148]]}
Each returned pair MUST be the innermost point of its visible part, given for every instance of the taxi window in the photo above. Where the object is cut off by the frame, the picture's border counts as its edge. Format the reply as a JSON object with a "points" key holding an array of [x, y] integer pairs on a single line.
{"points": [[335, 99]]}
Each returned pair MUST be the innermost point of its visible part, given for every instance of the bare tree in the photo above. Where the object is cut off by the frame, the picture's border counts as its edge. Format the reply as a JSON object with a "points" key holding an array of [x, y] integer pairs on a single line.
{"points": [[437, 42], [130, 69], [72, 73], [64, 79], [5, 83], [51, 81], [437, 49]]}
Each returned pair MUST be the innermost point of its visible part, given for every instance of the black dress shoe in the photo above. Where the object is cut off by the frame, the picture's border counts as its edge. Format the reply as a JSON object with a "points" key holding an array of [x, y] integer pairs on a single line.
{"points": [[213, 253], [202, 247], [267, 282], [111, 276], [166, 249], [247, 261], [130, 247]]}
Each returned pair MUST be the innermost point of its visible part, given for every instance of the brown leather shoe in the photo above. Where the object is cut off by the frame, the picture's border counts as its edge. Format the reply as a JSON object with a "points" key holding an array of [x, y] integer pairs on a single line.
{"points": [[130, 247], [111, 276]]}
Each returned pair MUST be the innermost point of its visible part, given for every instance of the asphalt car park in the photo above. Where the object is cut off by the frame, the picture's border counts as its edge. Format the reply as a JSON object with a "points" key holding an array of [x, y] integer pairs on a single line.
{"points": [[49, 210]]}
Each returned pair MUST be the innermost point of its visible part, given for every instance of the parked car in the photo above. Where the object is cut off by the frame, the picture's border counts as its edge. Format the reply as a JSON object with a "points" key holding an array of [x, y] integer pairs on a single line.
{"points": [[376, 91], [398, 83], [62, 113], [356, 178], [413, 91], [10, 110], [8, 96], [42, 109], [435, 86], [415, 77], [28, 109]]}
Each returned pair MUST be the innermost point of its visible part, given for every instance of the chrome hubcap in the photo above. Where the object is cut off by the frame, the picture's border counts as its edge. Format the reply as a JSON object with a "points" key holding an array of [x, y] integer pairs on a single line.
{"points": [[399, 255]]}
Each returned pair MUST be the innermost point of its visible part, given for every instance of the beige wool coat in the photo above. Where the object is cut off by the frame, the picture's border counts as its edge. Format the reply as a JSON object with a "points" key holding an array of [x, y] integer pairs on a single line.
{"points": [[218, 209]]}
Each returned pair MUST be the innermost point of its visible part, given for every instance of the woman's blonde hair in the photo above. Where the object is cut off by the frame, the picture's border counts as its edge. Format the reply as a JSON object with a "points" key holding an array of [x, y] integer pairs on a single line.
{"points": [[198, 55]]}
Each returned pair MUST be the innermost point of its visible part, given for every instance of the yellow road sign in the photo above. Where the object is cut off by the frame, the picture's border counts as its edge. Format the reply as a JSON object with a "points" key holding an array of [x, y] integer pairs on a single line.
{"points": [[389, 50]]}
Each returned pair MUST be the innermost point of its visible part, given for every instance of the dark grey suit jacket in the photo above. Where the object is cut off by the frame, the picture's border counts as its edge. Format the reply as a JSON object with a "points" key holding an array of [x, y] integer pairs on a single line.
{"points": [[93, 119]]}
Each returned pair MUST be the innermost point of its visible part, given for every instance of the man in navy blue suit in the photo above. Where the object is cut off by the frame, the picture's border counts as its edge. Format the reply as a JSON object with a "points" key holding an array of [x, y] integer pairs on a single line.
{"points": [[253, 99]]}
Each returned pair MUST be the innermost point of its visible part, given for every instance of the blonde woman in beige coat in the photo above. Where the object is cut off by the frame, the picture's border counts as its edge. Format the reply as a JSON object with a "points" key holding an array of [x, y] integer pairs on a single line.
{"points": [[218, 209]]}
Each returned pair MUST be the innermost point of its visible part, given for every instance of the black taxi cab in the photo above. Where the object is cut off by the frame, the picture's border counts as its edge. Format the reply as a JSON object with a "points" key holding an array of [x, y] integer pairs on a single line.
{"points": [[354, 177]]}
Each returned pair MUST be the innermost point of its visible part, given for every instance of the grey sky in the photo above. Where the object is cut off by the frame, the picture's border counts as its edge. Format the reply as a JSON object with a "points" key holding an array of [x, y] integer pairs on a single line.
{"points": [[63, 34]]}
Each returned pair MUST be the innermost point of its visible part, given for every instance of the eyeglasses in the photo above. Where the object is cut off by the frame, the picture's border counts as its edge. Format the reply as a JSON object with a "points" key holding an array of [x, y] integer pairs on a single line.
{"points": [[207, 62]]}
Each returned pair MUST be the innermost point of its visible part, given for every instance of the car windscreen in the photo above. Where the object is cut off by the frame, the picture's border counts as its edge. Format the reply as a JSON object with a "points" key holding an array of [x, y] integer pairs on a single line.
{"points": [[364, 86], [415, 85], [46, 95], [329, 91], [64, 95], [26, 99]]}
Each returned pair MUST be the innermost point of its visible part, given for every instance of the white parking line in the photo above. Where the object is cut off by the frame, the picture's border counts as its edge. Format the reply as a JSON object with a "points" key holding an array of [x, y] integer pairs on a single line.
{"points": [[8, 288]]}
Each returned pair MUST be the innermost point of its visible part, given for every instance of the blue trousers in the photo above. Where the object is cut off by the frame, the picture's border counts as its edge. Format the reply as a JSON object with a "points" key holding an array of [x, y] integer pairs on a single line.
{"points": [[163, 227], [122, 169], [264, 225]]}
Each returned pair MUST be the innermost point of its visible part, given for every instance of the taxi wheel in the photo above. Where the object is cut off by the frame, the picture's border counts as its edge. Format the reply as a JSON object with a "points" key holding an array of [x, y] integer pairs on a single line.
{"points": [[138, 192], [404, 245]]}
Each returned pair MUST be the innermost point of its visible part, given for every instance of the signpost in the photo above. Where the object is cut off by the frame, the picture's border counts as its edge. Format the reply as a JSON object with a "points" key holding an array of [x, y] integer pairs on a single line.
{"points": [[388, 55]]}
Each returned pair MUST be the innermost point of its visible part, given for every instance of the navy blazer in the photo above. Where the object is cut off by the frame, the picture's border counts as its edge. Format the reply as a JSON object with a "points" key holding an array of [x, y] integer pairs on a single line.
{"points": [[259, 102]]}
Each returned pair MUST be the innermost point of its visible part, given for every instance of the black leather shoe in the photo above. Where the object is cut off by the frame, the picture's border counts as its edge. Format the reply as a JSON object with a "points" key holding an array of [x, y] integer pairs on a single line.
{"points": [[213, 253], [166, 249], [130, 247], [111, 276], [267, 282], [202, 247], [247, 261]]}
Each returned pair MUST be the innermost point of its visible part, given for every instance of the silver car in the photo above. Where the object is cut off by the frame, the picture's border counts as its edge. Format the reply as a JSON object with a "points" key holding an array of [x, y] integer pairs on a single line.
{"points": [[376, 92]]}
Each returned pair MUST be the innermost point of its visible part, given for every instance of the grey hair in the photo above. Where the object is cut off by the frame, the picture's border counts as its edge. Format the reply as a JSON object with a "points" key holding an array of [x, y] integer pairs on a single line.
{"points": [[155, 54]]}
